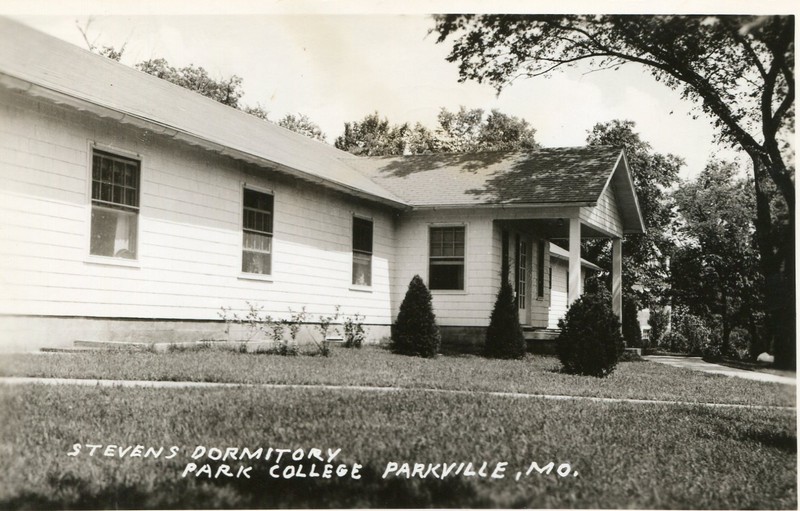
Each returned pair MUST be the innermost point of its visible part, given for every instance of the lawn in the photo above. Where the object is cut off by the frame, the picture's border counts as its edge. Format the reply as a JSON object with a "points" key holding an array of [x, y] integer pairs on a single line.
{"points": [[373, 366], [625, 454]]}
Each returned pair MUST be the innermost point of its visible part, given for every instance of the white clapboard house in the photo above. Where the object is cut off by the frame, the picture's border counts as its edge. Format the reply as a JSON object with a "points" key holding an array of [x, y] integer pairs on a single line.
{"points": [[131, 208]]}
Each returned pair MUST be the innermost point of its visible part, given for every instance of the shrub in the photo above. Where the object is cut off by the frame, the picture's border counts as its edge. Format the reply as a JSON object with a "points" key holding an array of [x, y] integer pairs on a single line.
{"points": [[702, 335], [504, 338], [739, 342], [659, 318], [673, 341], [415, 332], [631, 331], [354, 334], [590, 342]]}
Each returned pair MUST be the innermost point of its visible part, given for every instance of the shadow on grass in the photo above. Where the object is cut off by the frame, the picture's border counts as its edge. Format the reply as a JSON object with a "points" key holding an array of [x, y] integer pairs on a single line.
{"points": [[260, 491]]}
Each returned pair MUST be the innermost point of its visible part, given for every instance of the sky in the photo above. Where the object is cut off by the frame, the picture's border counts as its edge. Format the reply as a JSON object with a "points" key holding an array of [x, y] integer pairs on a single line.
{"points": [[338, 66]]}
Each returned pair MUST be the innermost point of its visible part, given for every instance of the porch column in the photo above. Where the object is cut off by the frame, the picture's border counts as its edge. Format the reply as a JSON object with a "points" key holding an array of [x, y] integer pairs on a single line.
{"points": [[574, 284], [616, 277]]}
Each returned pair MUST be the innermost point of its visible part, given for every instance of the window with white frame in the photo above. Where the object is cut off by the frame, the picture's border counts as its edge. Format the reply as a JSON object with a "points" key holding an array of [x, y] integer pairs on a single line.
{"points": [[257, 232], [362, 252], [115, 205], [446, 264]]}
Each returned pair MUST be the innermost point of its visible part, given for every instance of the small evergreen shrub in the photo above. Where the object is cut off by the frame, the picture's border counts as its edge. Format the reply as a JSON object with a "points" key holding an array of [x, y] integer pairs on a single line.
{"points": [[591, 341], [504, 338], [415, 332], [673, 341]]}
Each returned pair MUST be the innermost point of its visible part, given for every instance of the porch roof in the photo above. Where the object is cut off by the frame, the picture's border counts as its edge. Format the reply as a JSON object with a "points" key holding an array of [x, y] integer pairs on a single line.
{"points": [[575, 176]]}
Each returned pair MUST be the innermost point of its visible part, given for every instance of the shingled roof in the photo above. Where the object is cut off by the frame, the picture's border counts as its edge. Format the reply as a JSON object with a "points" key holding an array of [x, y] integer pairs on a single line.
{"points": [[45, 66], [547, 176], [68, 74]]}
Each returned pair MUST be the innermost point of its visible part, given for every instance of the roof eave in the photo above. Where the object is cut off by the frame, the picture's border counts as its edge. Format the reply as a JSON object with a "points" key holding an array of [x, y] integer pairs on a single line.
{"points": [[62, 97], [512, 205]]}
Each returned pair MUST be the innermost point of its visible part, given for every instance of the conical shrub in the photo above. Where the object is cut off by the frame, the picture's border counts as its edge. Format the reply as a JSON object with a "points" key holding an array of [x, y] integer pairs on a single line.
{"points": [[504, 338], [415, 332]]}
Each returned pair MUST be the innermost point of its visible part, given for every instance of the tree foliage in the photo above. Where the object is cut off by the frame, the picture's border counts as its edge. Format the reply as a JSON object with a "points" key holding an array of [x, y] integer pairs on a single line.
{"points": [[415, 331], [504, 338], [463, 131], [737, 69], [644, 256], [715, 269], [300, 123], [227, 91]]}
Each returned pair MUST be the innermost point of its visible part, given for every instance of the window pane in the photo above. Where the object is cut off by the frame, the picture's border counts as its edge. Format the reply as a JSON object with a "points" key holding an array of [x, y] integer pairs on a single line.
{"points": [[113, 233], [362, 269], [257, 211], [447, 275], [362, 235], [255, 241], [256, 262], [257, 246]]}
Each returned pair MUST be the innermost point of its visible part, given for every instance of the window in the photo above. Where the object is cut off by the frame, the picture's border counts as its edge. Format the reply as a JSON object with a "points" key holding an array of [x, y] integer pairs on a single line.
{"points": [[257, 232], [540, 270], [115, 205], [446, 270], [362, 252], [522, 287]]}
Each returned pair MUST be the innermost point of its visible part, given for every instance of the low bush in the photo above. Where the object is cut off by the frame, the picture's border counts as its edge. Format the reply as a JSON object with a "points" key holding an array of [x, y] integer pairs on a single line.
{"points": [[590, 342], [673, 341], [415, 332], [504, 338], [354, 334]]}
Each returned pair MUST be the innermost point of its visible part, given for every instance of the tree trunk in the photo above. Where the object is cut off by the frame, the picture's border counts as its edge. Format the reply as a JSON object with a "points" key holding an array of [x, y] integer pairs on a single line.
{"points": [[778, 267]]}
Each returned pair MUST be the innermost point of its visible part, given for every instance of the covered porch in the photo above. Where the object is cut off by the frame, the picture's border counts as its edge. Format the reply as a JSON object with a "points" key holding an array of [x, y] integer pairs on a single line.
{"points": [[527, 261]]}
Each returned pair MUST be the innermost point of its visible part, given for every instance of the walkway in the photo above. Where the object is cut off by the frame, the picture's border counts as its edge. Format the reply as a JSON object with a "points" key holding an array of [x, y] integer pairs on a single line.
{"points": [[698, 364], [23, 380]]}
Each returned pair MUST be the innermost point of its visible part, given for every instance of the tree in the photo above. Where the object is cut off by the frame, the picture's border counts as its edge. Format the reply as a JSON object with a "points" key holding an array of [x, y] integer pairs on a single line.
{"points": [[372, 136], [464, 131], [504, 338], [227, 91], [737, 69], [415, 332], [715, 269], [644, 256], [300, 123]]}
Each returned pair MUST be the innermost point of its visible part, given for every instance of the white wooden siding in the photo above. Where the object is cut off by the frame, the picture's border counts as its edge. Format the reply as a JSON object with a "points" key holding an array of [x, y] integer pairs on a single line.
{"points": [[189, 256], [558, 295], [605, 215], [472, 306]]}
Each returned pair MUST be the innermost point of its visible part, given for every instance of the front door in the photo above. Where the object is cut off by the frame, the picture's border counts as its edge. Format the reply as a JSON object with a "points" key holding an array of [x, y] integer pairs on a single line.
{"points": [[523, 281]]}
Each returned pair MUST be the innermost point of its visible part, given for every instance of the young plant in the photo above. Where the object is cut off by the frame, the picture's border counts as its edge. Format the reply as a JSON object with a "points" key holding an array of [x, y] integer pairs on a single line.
{"points": [[354, 334]]}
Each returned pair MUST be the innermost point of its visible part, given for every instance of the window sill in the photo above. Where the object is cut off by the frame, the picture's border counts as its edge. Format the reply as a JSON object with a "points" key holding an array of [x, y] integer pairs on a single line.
{"points": [[448, 291], [362, 289], [113, 261], [255, 276]]}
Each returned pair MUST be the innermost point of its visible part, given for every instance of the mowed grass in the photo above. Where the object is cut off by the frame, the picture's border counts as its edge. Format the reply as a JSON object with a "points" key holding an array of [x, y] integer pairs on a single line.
{"points": [[373, 366], [627, 455]]}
